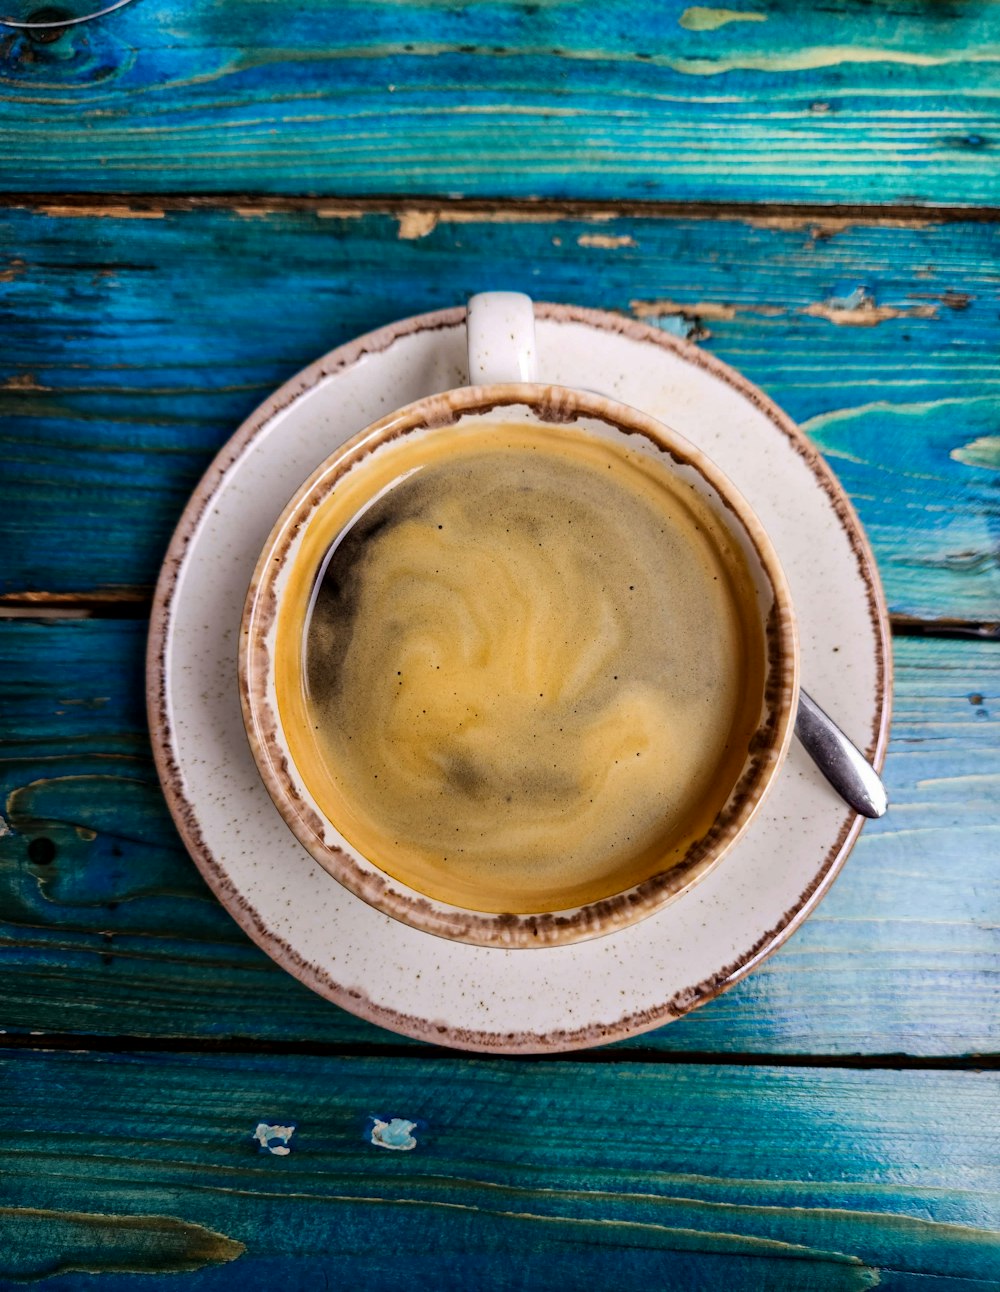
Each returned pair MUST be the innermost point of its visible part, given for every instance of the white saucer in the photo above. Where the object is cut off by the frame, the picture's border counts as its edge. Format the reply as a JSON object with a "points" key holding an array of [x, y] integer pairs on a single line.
{"points": [[453, 993]]}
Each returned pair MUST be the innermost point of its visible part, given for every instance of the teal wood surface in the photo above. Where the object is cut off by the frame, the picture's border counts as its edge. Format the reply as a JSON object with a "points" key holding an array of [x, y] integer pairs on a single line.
{"points": [[605, 99], [518, 1174], [134, 347], [196, 199], [108, 928]]}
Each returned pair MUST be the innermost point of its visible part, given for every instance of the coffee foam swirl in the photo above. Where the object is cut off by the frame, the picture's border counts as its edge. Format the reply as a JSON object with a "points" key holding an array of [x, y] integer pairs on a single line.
{"points": [[530, 671]]}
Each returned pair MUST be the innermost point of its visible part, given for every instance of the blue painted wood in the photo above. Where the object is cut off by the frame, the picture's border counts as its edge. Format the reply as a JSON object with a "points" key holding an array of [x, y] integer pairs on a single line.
{"points": [[108, 928], [602, 99], [520, 1175], [135, 346], [132, 347]]}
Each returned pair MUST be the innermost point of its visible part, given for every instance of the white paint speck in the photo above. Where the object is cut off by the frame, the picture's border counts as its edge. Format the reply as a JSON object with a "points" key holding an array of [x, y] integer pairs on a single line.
{"points": [[395, 1134], [274, 1138]]}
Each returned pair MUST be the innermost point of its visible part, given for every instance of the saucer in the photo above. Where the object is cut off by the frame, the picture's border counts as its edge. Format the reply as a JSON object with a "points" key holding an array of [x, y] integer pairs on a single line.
{"points": [[451, 993]]}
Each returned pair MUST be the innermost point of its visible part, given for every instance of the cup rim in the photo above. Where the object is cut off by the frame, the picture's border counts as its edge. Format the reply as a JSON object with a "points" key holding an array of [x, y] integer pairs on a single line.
{"points": [[364, 878]]}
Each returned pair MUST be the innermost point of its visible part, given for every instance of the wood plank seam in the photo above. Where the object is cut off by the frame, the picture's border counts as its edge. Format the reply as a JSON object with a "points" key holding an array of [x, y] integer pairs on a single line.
{"points": [[781, 214], [100, 1043]]}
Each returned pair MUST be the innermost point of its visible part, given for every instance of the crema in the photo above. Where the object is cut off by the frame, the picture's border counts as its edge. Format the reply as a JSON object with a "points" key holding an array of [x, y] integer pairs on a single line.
{"points": [[531, 664]]}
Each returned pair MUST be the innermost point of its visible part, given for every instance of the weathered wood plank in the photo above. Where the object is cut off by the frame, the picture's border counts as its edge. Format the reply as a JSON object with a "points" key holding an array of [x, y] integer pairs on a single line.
{"points": [[506, 1174], [133, 347], [109, 929], [602, 99]]}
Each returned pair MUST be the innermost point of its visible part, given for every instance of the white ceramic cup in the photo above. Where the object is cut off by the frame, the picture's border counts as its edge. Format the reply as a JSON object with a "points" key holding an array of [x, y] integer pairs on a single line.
{"points": [[502, 365]]}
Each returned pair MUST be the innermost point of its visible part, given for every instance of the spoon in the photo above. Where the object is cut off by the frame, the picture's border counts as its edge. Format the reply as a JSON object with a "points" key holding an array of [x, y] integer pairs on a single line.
{"points": [[840, 761]]}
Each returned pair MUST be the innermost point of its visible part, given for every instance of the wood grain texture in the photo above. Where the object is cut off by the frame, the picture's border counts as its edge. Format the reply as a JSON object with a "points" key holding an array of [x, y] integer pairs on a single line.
{"points": [[604, 99], [621, 1175], [134, 347], [109, 929]]}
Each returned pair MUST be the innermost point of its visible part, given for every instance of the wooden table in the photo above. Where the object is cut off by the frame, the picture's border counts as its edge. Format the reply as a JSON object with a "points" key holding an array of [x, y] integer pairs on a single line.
{"points": [[201, 197]]}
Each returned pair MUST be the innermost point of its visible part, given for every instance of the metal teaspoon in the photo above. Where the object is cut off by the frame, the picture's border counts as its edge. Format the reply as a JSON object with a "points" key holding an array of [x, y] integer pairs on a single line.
{"points": [[839, 759]]}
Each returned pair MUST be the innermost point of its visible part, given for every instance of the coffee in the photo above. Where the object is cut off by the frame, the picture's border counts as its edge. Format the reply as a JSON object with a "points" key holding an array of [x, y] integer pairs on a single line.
{"points": [[520, 665]]}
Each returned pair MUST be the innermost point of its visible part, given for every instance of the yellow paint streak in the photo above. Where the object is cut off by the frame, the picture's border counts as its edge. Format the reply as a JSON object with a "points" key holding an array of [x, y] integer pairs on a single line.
{"points": [[699, 18], [856, 1275], [815, 426], [810, 60], [606, 240], [416, 224], [982, 452], [867, 313], [799, 59], [50, 1243]]}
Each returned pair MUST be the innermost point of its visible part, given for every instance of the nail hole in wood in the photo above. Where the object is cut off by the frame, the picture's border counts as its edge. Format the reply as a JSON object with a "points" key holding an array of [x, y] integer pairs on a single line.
{"points": [[41, 851]]}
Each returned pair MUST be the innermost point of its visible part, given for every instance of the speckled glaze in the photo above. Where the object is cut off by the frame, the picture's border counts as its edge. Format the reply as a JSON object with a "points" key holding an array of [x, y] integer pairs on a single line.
{"points": [[768, 746], [453, 993]]}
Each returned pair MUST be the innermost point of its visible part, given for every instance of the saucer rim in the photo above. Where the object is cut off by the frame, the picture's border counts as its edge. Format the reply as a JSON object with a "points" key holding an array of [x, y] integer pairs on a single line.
{"points": [[185, 816]]}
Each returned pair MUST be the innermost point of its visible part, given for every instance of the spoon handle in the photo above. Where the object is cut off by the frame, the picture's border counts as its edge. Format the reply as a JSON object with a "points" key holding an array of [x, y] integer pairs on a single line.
{"points": [[840, 761]]}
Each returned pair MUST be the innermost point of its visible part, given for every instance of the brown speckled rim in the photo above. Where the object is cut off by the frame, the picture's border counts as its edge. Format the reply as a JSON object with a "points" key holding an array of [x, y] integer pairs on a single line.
{"points": [[314, 976], [553, 405]]}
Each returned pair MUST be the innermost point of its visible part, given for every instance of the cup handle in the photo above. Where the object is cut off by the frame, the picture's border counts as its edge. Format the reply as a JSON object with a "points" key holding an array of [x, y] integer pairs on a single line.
{"points": [[501, 337]]}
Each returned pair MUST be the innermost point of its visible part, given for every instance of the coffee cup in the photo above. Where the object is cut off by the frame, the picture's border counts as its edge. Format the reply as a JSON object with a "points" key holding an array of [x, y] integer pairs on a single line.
{"points": [[518, 664]]}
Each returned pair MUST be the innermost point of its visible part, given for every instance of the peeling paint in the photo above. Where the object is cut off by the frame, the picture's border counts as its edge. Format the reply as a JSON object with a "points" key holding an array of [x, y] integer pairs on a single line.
{"points": [[859, 309], [805, 223], [607, 240], [23, 381], [274, 1139], [697, 309], [416, 224], [713, 311], [504, 215], [396, 1133], [14, 269], [338, 213], [820, 225], [699, 18], [983, 452], [108, 212], [687, 329]]}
